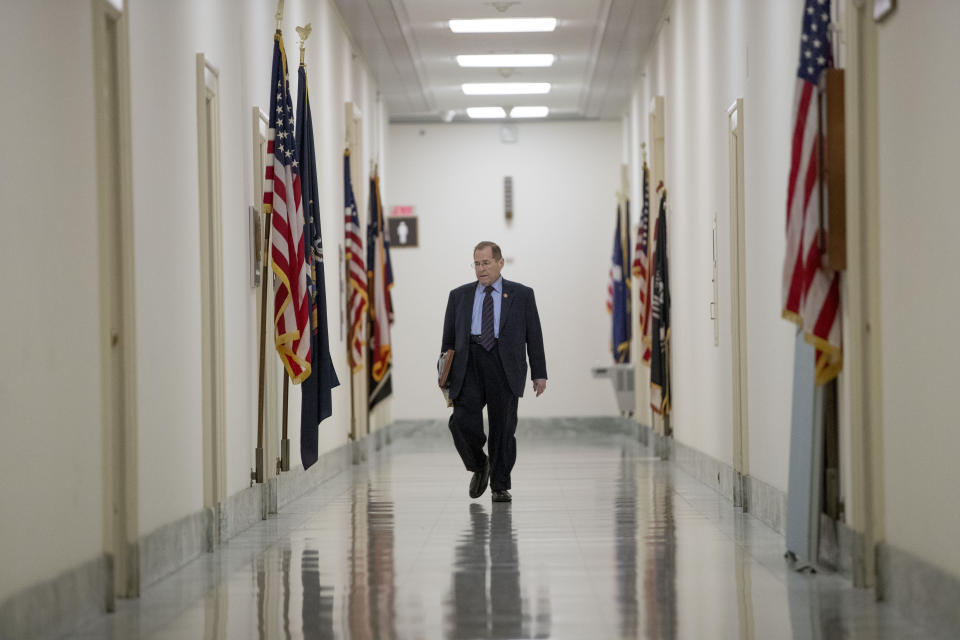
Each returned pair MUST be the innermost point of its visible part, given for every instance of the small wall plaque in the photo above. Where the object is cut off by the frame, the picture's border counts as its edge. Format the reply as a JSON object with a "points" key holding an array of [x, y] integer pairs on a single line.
{"points": [[883, 8], [403, 232]]}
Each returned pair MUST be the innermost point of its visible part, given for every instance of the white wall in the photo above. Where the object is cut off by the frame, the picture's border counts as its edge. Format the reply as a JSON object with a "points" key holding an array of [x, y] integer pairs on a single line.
{"points": [[918, 49], [50, 382], [705, 57], [50, 349], [565, 177], [772, 32], [164, 40]]}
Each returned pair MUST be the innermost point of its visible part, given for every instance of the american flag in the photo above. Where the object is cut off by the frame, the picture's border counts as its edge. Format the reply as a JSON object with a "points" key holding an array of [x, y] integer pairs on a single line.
{"points": [[811, 291], [356, 273], [281, 196], [610, 290], [380, 280], [641, 265]]}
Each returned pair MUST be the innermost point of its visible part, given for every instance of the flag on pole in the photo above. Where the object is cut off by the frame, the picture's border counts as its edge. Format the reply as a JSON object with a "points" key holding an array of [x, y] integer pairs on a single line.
{"points": [[652, 260], [386, 252], [281, 197], [379, 280], [811, 290], [356, 273], [619, 292], [641, 265], [316, 400], [660, 391]]}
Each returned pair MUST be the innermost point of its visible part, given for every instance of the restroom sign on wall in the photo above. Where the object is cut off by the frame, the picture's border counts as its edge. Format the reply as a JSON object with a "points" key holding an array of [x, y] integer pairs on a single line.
{"points": [[403, 231]]}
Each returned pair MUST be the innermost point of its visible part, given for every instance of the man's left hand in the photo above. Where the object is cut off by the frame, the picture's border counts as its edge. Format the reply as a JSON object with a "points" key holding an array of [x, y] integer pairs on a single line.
{"points": [[539, 385]]}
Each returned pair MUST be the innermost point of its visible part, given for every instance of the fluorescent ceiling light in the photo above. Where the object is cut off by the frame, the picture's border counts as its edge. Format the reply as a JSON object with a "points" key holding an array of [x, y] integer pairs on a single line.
{"points": [[503, 25], [529, 112], [504, 88], [507, 60], [486, 112]]}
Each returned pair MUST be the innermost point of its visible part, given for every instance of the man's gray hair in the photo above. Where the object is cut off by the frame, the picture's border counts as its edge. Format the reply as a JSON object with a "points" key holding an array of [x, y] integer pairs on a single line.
{"points": [[494, 248]]}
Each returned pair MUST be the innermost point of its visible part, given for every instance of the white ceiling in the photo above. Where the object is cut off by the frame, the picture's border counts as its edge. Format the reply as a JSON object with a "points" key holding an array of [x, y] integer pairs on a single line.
{"points": [[411, 50]]}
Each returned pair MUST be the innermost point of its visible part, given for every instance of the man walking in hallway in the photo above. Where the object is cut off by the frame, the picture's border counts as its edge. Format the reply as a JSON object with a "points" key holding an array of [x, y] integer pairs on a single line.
{"points": [[492, 325]]}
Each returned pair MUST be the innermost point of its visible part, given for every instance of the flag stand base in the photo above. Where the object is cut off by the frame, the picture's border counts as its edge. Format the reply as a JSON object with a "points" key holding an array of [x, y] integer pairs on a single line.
{"points": [[259, 472], [285, 454]]}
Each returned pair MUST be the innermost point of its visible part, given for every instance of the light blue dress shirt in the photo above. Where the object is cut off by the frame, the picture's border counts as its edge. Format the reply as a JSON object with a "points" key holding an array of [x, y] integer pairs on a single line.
{"points": [[497, 293]]}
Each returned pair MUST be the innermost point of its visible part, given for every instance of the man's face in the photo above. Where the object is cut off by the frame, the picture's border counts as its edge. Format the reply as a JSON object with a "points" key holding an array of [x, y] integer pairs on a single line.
{"points": [[487, 269]]}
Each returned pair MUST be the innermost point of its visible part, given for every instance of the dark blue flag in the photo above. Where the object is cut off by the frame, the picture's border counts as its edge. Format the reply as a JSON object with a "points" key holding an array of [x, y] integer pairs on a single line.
{"points": [[317, 403], [620, 282]]}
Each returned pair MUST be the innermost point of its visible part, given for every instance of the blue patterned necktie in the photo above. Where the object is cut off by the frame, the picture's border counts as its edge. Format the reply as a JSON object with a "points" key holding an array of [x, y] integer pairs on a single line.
{"points": [[487, 339]]}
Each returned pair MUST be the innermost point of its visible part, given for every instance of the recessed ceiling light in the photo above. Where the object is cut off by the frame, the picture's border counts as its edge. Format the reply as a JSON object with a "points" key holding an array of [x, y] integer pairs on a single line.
{"points": [[504, 88], [529, 112], [507, 60], [486, 112], [503, 25]]}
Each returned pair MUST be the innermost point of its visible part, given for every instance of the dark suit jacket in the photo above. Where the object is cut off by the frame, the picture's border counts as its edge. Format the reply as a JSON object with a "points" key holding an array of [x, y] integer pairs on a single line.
{"points": [[519, 332]]}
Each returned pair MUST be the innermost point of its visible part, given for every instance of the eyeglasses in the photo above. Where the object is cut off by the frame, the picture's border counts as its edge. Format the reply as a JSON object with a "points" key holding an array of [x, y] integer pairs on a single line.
{"points": [[485, 264]]}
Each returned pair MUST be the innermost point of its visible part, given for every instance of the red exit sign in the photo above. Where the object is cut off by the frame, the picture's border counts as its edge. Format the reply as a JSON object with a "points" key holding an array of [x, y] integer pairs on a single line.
{"points": [[402, 210]]}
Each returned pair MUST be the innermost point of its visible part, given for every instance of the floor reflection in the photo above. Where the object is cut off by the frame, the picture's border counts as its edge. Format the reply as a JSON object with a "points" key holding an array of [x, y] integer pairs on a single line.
{"points": [[215, 605], [317, 610], [604, 540], [273, 593], [743, 573], [371, 606], [286, 558], [625, 530], [660, 568], [470, 611], [487, 600], [506, 601]]}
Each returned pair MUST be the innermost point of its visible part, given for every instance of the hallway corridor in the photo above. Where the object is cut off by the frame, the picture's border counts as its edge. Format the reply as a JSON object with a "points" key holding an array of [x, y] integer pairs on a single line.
{"points": [[603, 540]]}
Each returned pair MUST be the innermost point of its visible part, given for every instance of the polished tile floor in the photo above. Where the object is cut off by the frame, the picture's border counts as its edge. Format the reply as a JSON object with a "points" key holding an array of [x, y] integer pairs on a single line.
{"points": [[602, 541]]}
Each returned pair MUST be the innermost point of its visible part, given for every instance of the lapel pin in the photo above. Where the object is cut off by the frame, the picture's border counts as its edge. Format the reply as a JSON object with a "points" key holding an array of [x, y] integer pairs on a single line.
{"points": [[506, 295]]}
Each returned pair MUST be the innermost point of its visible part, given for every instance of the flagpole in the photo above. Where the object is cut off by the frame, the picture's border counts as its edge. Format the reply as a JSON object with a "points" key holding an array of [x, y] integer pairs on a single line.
{"points": [[304, 33], [260, 461], [353, 414], [371, 329], [285, 441], [353, 435], [263, 346]]}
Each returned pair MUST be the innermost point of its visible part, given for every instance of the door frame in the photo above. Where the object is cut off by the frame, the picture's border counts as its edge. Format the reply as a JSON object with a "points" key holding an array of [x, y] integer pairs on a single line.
{"points": [[210, 222], [116, 249], [738, 305], [862, 317]]}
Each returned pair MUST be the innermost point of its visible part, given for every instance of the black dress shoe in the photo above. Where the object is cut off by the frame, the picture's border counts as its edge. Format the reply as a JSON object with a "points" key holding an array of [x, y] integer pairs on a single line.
{"points": [[502, 496], [478, 483]]}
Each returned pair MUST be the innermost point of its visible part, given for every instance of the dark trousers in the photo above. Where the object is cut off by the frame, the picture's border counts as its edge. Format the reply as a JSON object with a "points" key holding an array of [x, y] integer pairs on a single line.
{"points": [[485, 384]]}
